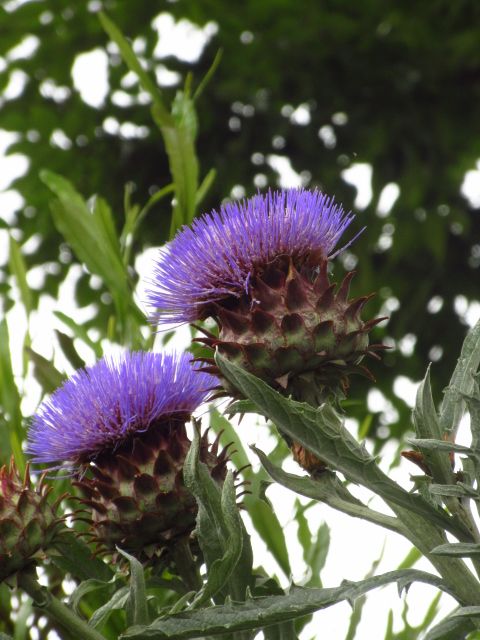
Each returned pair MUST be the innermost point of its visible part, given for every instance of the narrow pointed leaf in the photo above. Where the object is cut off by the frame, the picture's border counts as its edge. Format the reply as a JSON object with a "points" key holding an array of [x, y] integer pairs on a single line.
{"points": [[45, 372], [80, 332], [137, 607], [12, 434], [116, 602], [19, 270], [262, 515], [132, 62], [461, 382], [427, 425], [220, 531]]}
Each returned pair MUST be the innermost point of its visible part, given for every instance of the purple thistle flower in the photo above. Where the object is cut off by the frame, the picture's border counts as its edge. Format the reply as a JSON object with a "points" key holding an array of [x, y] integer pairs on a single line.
{"points": [[216, 257], [102, 406]]}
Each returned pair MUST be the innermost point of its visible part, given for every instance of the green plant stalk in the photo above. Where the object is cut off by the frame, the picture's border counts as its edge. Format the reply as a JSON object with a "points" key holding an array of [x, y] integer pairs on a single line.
{"points": [[42, 599], [454, 572]]}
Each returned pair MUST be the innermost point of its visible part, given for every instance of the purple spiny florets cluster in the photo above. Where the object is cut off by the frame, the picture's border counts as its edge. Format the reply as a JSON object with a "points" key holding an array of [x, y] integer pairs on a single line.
{"points": [[217, 255], [101, 406]]}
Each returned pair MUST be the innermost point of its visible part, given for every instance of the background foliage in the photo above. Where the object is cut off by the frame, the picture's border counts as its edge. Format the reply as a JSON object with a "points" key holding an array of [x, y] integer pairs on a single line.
{"points": [[395, 85]]}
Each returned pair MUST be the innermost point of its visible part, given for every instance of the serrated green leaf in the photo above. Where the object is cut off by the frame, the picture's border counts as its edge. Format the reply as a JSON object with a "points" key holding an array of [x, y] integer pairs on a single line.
{"points": [[137, 607], [262, 612], [241, 407], [430, 444], [454, 490], [424, 413], [322, 432]]}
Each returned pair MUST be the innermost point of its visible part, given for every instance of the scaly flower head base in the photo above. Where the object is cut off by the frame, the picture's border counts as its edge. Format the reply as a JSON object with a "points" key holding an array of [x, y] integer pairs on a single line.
{"points": [[137, 496], [300, 336]]}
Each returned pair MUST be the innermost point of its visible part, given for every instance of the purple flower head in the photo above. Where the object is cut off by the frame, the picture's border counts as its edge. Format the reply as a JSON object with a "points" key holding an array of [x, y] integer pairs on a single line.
{"points": [[216, 257], [100, 407]]}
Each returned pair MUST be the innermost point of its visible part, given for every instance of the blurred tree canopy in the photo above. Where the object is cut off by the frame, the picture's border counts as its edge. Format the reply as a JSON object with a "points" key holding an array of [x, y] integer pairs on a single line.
{"points": [[323, 85]]}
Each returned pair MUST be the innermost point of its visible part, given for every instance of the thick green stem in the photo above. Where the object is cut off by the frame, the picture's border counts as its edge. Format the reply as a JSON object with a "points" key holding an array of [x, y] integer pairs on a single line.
{"points": [[43, 599]]}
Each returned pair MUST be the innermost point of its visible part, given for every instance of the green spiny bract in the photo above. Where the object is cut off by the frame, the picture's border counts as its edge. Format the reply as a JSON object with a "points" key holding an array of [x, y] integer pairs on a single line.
{"points": [[137, 495], [28, 522], [295, 332]]}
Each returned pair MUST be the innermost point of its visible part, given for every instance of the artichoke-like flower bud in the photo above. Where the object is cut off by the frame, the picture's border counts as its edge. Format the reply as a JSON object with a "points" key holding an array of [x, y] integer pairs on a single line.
{"points": [[259, 268], [28, 522], [121, 426]]}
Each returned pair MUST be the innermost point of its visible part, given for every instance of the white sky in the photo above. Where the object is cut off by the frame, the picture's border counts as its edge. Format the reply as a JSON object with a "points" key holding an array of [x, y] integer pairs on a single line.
{"points": [[355, 544]]}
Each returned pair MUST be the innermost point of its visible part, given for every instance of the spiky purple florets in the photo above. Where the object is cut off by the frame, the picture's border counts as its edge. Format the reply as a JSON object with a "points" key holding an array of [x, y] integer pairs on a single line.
{"points": [[219, 253], [100, 407]]}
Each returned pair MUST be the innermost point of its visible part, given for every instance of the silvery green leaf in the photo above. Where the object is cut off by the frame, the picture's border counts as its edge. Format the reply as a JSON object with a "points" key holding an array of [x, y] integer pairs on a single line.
{"points": [[424, 415], [458, 490], [322, 432], [431, 444], [328, 489], [457, 549], [258, 613]]}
